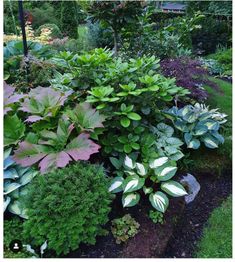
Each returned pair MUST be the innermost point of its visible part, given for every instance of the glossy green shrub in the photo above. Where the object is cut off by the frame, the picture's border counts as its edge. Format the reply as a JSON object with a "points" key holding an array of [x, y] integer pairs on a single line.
{"points": [[124, 228], [67, 207]]}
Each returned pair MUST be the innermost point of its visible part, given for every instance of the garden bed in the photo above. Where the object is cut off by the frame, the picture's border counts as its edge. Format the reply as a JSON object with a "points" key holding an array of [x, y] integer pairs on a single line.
{"points": [[176, 237]]}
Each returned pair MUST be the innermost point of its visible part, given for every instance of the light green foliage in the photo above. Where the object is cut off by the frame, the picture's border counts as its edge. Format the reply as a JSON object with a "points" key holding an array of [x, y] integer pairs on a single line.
{"points": [[14, 130], [156, 217], [129, 93], [216, 240], [16, 180], [124, 228], [224, 59], [134, 176], [73, 201], [198, 124]]}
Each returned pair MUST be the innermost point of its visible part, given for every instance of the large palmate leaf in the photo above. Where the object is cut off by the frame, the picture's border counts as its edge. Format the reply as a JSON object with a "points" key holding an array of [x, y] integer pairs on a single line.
{"points": [[10, 97], [54, 151], [85, 117], [43, 102], [14, 130]]}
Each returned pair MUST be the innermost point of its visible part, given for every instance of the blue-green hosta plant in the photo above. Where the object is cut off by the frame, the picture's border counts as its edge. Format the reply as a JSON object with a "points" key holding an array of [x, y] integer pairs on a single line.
{"points": [[55, 149], [16, 180], [166, 144], [198, 124], [154, 179]]}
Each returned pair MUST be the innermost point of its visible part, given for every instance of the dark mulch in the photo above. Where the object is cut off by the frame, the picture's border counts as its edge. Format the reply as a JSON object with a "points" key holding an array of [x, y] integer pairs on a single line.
{"points": [[151, 240], [176, 238], [189, 230]]}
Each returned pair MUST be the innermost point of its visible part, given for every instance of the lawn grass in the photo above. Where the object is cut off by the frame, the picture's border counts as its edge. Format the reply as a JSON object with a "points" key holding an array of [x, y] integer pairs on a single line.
{"points": [[216, 161], [216, 241]]}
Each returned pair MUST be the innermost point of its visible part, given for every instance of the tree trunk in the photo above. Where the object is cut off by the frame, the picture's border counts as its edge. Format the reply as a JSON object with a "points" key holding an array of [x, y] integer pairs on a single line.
{"points": [[115, 40]]}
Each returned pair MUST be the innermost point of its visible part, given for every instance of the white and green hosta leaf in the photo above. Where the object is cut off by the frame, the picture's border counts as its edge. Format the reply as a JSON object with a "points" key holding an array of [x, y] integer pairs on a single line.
{"points": [[130, 200], [7, 201], [10, 187], [141, 170], [173, 141], [219, 137], [210, 141], [194, 143], [133, 183], [116, 185], [129, 163], [158, 162], [165, 173], [211, 125], [173, 188], [177, 156], [17, 208], [200, 129], [130, 172], [159, 201]]}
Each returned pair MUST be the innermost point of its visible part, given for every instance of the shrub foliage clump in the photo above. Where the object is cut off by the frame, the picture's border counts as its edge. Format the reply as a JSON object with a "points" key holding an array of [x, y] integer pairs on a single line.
{"points": [[68, 207]]}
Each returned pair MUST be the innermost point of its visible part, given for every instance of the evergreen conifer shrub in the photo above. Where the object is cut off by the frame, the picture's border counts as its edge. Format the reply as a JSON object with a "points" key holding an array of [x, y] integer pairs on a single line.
{"points": [[68, 207]]}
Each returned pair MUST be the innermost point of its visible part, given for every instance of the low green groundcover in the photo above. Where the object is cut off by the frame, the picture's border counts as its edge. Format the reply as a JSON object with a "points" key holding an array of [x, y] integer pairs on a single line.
{"points": [[216, 241]]}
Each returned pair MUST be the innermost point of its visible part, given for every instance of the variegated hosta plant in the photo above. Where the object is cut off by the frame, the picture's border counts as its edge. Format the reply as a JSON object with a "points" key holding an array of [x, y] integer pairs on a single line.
{"points": [[198, 124], [154, 179], [16, 180]]}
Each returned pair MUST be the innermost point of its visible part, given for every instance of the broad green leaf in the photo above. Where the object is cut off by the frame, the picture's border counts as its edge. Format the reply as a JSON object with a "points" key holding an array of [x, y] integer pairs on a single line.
{"points": [[159, 201], [131, 199], [14, 130], [134, 116], [158, 162], [132, 183], [10, 173], [173, 188], [116, 185], [85, 117], [125, 122], [127, 148], [115, 162]]}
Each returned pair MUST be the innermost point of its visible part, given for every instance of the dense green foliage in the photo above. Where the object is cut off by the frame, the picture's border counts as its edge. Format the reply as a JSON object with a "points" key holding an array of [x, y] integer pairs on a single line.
{"points": [[224, 58], [156, 216], [124, 228], [73, 201], [216, 240], [13, 229]]}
